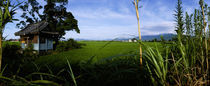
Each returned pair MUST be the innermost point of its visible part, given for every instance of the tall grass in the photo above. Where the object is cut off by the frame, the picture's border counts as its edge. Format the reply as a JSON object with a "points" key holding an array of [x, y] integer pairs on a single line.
{"points": [[37, 78], [185, 62], [156, 64]]}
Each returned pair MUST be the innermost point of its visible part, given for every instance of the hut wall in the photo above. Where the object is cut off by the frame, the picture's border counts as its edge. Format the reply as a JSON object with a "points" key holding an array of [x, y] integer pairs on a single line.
{"points": [[36, 46], [31, 39], [35, 39], [22, 40], [23, 45], [36, 42], [48, 45], [39, 43]]}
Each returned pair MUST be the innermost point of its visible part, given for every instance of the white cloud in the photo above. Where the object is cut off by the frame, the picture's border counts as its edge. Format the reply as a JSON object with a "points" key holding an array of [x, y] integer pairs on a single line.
{"points": [[101, 13], [102, 19], [104, 22], [112, 32]]}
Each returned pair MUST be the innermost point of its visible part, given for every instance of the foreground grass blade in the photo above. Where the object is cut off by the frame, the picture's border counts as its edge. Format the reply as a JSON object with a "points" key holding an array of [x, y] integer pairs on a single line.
{"points": [[156, 64], [1, 72], [71, 73], [45, 82]]}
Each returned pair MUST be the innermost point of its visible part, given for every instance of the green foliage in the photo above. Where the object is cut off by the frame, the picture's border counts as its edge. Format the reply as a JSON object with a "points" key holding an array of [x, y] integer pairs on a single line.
{"points": [[186, 59], [122, 70], [94, 48], [55, 13], [110, 72], [179, 18], [71, 73], [12, 57], [7, 12], [29, 54], [119, 59], [196, 22], [17, 81], [68, 45], [157, 65], [188, 23]]}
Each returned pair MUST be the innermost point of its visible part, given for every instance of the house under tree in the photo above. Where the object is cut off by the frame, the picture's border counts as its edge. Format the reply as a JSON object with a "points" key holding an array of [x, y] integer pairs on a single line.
{"points": [[38, 35]]}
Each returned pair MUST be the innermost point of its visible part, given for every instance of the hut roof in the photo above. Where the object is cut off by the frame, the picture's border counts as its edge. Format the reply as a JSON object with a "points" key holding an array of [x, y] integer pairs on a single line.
{"points": [[35, 28]]}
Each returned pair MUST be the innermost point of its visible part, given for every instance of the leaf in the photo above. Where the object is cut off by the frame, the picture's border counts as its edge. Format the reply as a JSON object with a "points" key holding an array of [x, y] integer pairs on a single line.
{"points": [[2, 71], [5, 78], [46, 74], [45, 82], [71, 73]]}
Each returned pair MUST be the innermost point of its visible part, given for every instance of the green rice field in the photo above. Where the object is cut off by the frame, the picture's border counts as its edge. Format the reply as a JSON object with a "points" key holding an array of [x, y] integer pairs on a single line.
{"points": [[97, 49]]}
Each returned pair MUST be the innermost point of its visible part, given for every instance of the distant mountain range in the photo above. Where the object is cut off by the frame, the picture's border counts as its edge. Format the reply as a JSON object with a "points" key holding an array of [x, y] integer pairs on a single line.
{"points": [[158, 37], [167, 36]]}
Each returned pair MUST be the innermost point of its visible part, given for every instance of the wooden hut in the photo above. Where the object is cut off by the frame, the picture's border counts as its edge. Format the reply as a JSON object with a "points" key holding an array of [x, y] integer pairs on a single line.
{"points": [[38, 35]]}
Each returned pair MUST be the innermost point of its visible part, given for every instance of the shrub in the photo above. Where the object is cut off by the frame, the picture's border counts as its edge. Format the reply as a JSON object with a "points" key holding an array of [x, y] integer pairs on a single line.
{"points": [[29, 54], [68, 45], [12, 56]]}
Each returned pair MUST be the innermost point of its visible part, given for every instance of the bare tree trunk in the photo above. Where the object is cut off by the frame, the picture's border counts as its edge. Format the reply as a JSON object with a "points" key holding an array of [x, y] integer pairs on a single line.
{"points": [[139, 31]]}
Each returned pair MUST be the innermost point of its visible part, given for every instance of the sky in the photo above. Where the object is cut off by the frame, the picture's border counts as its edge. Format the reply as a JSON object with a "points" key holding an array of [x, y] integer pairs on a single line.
{"points": [[110, 19]]}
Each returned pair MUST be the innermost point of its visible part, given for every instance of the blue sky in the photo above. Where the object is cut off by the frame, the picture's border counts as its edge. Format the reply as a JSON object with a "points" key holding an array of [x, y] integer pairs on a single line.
{"points": [[110, 19]]}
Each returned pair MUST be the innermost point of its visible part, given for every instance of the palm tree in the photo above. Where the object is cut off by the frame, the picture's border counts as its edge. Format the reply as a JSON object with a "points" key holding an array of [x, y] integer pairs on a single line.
{"points": [[6, 15]]}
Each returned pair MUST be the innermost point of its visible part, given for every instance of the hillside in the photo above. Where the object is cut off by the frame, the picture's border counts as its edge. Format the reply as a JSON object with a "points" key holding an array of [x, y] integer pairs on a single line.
{"points": [[167, 36]]}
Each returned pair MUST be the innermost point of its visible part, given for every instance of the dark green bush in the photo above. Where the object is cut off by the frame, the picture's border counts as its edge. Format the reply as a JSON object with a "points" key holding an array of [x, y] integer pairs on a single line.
{"points": [[12, 56], [122, 71], [29, 54], [68, 45]]}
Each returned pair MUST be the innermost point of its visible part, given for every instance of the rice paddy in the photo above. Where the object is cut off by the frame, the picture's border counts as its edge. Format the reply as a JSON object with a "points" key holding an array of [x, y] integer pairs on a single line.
{"points": [[97, 49]]}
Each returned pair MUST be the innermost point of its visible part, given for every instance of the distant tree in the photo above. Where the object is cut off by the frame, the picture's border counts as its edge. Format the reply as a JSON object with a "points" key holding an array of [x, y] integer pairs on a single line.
{"points": [[154, 40], [7, 12], [55, 13], [162, 38], [133, 39]]}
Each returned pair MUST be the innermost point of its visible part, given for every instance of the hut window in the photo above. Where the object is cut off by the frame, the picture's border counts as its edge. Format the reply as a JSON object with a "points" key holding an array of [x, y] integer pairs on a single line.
{"points": [[42, 40]]}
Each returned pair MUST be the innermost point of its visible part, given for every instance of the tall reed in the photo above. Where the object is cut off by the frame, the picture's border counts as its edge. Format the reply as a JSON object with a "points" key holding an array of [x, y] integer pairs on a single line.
{"points": [[187, 58], [136, 4]]}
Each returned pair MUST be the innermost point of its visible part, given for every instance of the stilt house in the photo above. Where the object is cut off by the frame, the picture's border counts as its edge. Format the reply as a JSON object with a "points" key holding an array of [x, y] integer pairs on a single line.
{"points": [[38, 35]]}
